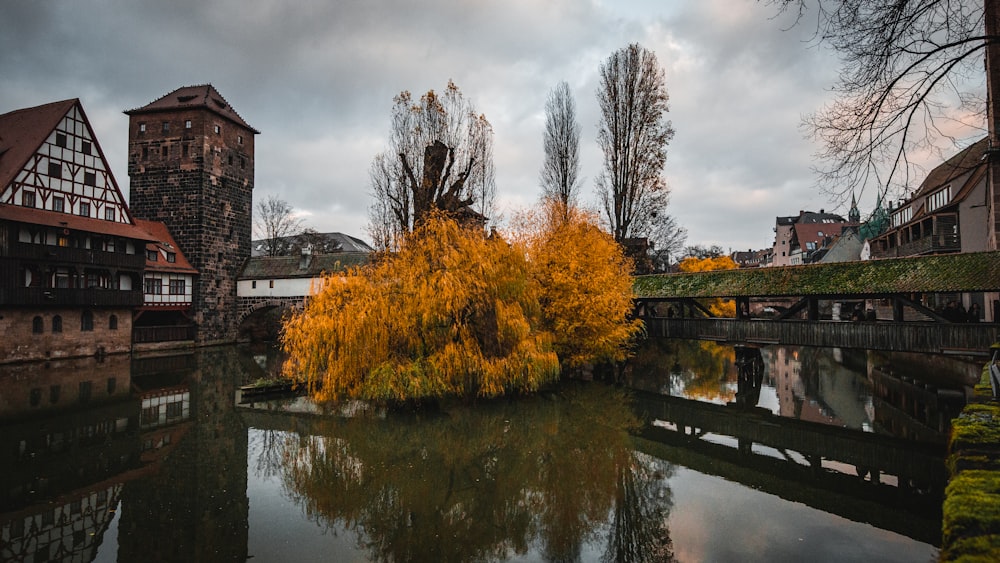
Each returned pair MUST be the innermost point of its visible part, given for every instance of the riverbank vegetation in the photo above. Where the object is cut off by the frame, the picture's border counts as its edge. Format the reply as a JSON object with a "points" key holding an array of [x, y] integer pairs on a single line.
{"points": [[455, 313]]}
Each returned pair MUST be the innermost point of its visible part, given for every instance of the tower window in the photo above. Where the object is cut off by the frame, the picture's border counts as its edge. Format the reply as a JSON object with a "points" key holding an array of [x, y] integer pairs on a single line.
{"points": [[184, 150], [240, 139], [218, 130], [187, 123], [166, 126], [163, 151], [61, 140], [142, 127]]}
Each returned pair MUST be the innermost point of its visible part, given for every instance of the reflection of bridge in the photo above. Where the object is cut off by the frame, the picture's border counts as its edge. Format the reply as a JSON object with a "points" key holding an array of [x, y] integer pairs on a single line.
{"points": [[767, 452], [906, 291]]}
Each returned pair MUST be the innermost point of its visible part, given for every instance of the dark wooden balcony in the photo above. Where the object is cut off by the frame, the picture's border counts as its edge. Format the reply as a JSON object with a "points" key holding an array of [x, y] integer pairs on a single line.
{"points": [[66, 255], [52, 297]]}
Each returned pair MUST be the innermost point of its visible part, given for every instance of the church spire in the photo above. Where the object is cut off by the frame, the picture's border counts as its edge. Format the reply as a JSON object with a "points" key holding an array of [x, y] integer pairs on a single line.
{"points": [[854, 215]]}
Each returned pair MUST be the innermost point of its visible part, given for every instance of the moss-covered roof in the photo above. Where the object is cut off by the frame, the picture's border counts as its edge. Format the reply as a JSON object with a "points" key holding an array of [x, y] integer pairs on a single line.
{"points": [[925, 274], [286, 267]]}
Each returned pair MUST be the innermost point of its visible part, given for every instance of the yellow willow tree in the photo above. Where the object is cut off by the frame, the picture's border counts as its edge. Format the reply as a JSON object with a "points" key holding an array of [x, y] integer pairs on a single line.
{"points": [[586, 286], [453, 313]]}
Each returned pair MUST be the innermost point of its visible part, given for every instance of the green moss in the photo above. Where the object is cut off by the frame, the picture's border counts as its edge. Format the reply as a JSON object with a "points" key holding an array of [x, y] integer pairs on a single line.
{"points": [[973, 550], [954, 272], [971, 506], [977, 427]]}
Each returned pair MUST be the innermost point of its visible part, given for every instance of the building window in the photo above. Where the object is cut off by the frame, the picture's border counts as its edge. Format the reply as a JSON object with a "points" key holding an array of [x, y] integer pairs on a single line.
{"points": [[89, 178], [57, 324], [145, 153], [62, 241], [142, 127], [163, 151], [270, 284], [230, 160], [58, 204], [61, 140], [243, 163], [184, 150], [171, 257], [187, 123], [37, 325], [939, 198], [154, 286], [28, 199], [113, 322], [240, 139], [85, 147], [177, 287], [151, 255], [86, 321], [253, 284], [218, 130], [166, 126], [55, 170], [84, 209], [85, 388], [109, 214]]}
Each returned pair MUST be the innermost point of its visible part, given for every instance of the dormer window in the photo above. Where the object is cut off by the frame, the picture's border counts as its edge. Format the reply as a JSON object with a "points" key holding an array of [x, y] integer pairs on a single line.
{"points": [[151, 255], [171, 257], [939, 198]]}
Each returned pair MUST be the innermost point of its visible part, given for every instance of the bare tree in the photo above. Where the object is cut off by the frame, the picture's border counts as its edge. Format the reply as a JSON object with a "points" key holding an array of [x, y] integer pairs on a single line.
{"points": [[275, 224], [562, 146], [910, 84], [633, 135], [440, 155]]}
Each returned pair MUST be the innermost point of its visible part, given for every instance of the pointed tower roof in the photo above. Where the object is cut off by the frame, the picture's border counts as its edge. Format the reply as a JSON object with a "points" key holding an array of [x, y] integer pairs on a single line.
{"points": [[23, 131], [854, 215], [190, 97]]}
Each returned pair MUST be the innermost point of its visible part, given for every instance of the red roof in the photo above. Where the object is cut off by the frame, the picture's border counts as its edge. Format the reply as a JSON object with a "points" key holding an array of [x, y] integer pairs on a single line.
{"points": [[56, 219], [23, 131], [201, 96], [162, 239]]}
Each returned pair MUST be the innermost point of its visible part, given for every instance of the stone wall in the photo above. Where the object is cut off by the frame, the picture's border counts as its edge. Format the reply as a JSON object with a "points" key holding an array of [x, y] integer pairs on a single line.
{"points": [[200, 183], [21, 343]]}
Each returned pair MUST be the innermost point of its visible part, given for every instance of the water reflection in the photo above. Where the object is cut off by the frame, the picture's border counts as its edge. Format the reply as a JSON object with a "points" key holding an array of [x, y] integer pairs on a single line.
{"points": [[486, 482], [152, 459], [896, 395]]}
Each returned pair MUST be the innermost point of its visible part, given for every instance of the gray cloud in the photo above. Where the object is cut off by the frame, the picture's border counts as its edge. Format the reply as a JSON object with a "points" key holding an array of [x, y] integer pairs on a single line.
{"points": [[317, 79]]}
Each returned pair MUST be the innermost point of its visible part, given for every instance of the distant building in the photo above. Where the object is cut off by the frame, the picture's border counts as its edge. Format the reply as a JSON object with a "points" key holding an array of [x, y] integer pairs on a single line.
{"points": [[319, 243], [751, 258], [166, 314], [801, 239]]}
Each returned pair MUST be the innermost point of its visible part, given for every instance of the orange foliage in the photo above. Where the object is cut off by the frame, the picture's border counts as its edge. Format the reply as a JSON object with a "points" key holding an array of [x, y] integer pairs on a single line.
{"points": [[454, 313]]}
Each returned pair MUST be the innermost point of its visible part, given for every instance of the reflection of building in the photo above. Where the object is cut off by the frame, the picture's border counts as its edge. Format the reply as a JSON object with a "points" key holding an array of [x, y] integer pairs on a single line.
{"points": [[70, 431]]}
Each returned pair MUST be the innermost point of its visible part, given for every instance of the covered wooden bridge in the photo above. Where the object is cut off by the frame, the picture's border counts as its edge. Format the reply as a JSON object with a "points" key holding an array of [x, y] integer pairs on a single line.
{"points": [[901, 304]]}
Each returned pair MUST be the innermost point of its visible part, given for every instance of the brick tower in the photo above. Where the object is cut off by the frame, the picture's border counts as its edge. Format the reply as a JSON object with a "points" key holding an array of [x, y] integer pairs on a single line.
{"points": [[190, 162]]}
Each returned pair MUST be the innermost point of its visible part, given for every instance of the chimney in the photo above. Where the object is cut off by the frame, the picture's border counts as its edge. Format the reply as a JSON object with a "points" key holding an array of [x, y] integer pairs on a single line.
{"points": [[306, 257]]}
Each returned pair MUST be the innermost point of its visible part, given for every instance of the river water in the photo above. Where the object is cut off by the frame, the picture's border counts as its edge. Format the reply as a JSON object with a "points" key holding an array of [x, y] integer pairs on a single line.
{"points": [[703, 452]]}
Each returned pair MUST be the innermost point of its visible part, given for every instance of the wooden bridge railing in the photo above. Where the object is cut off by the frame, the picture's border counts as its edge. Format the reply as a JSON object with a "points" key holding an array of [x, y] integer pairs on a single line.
{"points": [[970, 338]]}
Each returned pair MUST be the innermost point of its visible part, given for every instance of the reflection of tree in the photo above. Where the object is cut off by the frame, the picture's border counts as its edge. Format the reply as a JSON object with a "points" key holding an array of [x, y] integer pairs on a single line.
{"points": [[477, 484], [639, 531], [697, 369]]}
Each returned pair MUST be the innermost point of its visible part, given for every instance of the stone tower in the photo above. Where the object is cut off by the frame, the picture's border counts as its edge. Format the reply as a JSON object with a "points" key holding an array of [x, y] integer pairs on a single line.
{"points": [[190, 163]]}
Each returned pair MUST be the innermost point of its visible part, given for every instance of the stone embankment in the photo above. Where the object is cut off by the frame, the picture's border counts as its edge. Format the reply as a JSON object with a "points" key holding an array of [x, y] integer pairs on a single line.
{"points": [[970, 529]]}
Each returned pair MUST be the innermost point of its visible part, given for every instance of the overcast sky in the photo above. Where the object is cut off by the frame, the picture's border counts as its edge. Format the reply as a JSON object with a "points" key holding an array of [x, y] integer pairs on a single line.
{"points": [[317, 79]]}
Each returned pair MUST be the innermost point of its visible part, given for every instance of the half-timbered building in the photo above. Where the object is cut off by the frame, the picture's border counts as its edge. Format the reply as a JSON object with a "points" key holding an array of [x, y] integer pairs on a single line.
{"points": [[71, 256]]}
